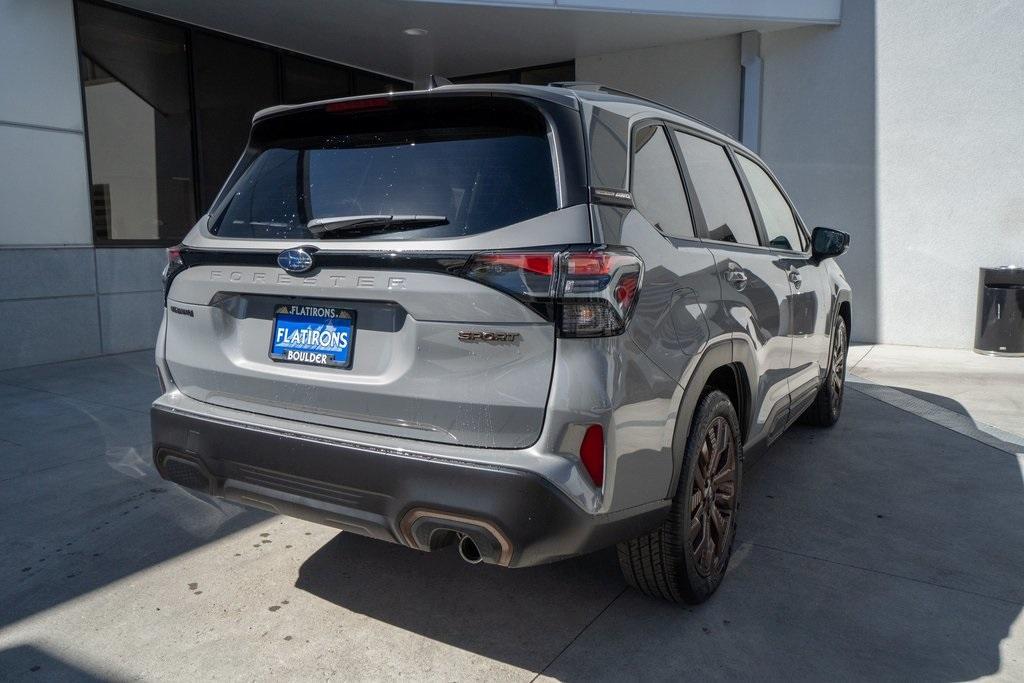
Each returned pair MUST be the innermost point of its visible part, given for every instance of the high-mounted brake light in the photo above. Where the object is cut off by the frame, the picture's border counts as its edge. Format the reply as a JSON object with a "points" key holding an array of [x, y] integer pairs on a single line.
{"points": [[358, 105], [586, 292]]}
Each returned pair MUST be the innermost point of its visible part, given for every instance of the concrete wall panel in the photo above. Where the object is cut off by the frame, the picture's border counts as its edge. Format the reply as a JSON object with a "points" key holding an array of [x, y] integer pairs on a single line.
{"points": [[47, 330], [130, 270], [130, 321], [39, 64], [43, 188], [37, 273]]}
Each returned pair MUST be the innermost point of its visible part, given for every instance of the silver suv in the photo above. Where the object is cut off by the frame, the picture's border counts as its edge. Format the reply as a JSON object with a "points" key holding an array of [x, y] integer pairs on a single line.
{"points": [[527, 321]]}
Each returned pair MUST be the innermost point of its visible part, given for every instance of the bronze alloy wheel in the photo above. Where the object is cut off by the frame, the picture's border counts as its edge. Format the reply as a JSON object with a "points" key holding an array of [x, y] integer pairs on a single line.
{"points": [[837, 368], [713, 498]]}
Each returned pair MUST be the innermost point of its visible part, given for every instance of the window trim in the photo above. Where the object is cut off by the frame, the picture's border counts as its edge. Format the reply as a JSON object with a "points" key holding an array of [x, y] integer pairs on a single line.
{"points": [[801, 228], [278, 52], [634, 128]]}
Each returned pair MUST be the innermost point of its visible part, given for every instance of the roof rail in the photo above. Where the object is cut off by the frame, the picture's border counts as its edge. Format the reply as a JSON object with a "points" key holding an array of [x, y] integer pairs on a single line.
{"points": [[588, 86]]}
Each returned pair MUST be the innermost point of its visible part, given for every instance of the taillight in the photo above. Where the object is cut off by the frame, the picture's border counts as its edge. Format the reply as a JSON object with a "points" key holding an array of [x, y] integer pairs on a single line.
{"points": [[174, 264], [592, 453], [599, 292], [587, 293]]}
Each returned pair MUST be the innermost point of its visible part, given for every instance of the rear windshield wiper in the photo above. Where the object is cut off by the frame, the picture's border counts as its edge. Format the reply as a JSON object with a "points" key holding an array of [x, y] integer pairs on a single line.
{"points": [[337, 225]]}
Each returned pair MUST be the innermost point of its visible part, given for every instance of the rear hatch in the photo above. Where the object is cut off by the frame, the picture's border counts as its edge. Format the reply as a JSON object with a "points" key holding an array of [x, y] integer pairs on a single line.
{"points": [[355, 271]]}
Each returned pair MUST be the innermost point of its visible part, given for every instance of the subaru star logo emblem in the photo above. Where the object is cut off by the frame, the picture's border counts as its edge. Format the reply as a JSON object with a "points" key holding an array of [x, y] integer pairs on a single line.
{"points": [[295, 260]]}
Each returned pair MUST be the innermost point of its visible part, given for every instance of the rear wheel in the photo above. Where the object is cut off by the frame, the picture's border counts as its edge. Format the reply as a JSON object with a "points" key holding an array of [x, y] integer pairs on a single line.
{"points": [[828, 404], [685, 558]]}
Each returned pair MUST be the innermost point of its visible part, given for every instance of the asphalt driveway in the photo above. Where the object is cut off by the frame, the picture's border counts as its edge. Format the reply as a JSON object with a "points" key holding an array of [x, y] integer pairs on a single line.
{"points": [[891, 547]]}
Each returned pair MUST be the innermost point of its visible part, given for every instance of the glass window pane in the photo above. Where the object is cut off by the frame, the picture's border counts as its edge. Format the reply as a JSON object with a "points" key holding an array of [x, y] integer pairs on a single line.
{"points": [[371, 84], [500, 77], [233, 81], [548, 74], [135, 77], [718, 190], [306, 80], [479, 166], [657, 188], [779, 222]]}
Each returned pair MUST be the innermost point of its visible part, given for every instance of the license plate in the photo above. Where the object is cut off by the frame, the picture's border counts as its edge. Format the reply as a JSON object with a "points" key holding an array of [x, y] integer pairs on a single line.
{"points": [[313, 335]]}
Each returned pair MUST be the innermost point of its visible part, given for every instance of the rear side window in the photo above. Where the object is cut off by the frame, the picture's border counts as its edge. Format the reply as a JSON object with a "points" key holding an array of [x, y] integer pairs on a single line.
{"points": [[657, 188], [776, 213], [718, 188], [480, 165]]}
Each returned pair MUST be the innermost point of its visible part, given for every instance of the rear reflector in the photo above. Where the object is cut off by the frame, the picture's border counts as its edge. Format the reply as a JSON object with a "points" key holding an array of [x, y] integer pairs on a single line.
{"points": [[592, 453]]}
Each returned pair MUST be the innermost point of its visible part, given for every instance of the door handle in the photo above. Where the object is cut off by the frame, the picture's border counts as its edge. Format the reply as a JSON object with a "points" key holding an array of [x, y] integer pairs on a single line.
{"points": [[737, 278]]}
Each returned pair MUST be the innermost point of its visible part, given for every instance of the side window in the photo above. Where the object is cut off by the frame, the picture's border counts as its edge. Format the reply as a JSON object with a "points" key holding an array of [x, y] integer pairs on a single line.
{"points": [[779, 221], [657, 188], [721, 197]]}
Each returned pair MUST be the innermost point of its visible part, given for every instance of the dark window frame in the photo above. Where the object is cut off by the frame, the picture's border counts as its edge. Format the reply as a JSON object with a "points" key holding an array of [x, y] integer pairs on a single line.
{"points": [[279, 54]]}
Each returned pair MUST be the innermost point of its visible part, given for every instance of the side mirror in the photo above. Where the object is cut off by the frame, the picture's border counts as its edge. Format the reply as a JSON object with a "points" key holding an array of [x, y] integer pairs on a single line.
{"points": [[829, 243]]}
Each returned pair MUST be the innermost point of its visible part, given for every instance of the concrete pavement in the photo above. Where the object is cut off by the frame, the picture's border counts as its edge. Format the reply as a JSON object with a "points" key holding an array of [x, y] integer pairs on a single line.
{"points": [[889, 548]]}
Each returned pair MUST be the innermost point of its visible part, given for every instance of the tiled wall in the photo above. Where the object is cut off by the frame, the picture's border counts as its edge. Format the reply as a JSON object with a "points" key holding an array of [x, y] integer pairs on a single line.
{"points": [[61, 303]]}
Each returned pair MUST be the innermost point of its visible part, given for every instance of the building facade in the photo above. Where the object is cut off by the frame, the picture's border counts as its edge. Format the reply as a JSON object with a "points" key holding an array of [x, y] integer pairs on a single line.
{"points": [[900, 122]]}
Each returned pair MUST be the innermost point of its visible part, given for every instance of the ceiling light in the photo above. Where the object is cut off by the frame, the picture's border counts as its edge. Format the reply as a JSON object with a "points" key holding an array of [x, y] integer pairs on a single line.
{"points": [[415, 31]]}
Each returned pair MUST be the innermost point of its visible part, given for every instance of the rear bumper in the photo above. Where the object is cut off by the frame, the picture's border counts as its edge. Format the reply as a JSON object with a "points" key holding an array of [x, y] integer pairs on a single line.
{"points": [[517, 518]]}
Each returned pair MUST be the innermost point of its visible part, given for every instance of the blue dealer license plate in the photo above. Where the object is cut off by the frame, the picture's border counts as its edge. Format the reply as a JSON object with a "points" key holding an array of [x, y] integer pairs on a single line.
{"points": [[314, 335]]}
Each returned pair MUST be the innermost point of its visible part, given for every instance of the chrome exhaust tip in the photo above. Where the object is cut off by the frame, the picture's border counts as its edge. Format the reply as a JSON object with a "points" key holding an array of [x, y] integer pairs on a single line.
{"points": [[469, 551]]}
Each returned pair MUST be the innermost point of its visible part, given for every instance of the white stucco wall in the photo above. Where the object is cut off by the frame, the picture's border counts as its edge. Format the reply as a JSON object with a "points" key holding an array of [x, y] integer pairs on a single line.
{"points": [[818, 135], [43, 186], [950, 177], [701, 78], [903, 125]]}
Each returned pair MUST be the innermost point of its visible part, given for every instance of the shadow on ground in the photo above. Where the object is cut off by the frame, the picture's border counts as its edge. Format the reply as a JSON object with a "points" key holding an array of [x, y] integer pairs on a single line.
{"points": [[28, 662], [888, 547], [81, 505]]}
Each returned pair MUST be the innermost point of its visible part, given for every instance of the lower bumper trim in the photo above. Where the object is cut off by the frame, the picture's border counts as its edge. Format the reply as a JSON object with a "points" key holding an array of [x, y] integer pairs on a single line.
{"points": [[516, 518]]}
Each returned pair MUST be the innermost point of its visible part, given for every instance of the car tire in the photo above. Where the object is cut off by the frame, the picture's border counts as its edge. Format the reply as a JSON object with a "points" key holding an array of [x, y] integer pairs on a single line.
{"points": [[828, 404], [685, 558]]}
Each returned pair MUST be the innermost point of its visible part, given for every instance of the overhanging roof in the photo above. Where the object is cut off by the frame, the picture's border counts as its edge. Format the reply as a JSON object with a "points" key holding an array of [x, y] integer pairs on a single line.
{"points": [[464, 36]]}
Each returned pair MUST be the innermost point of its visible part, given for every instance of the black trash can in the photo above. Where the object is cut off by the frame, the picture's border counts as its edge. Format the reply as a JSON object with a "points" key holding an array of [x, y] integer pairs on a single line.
{"points": [[1000, 328]]}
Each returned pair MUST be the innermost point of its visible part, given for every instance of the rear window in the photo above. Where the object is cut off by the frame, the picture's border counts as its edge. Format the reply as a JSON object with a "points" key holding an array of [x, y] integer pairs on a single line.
{"points": [[481, 163]]}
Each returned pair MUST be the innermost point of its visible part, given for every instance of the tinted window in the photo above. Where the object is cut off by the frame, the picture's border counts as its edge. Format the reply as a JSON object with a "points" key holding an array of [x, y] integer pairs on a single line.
{"points": [[779, 222], [718, 189], [306, 80], [136, 84], [233, 81], [483, 165], [532, 75], [657, 188]]}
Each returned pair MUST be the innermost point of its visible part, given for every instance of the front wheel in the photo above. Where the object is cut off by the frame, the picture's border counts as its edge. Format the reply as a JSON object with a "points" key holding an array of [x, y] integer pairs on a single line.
{"points": [[685, 558], [824, 412]]}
